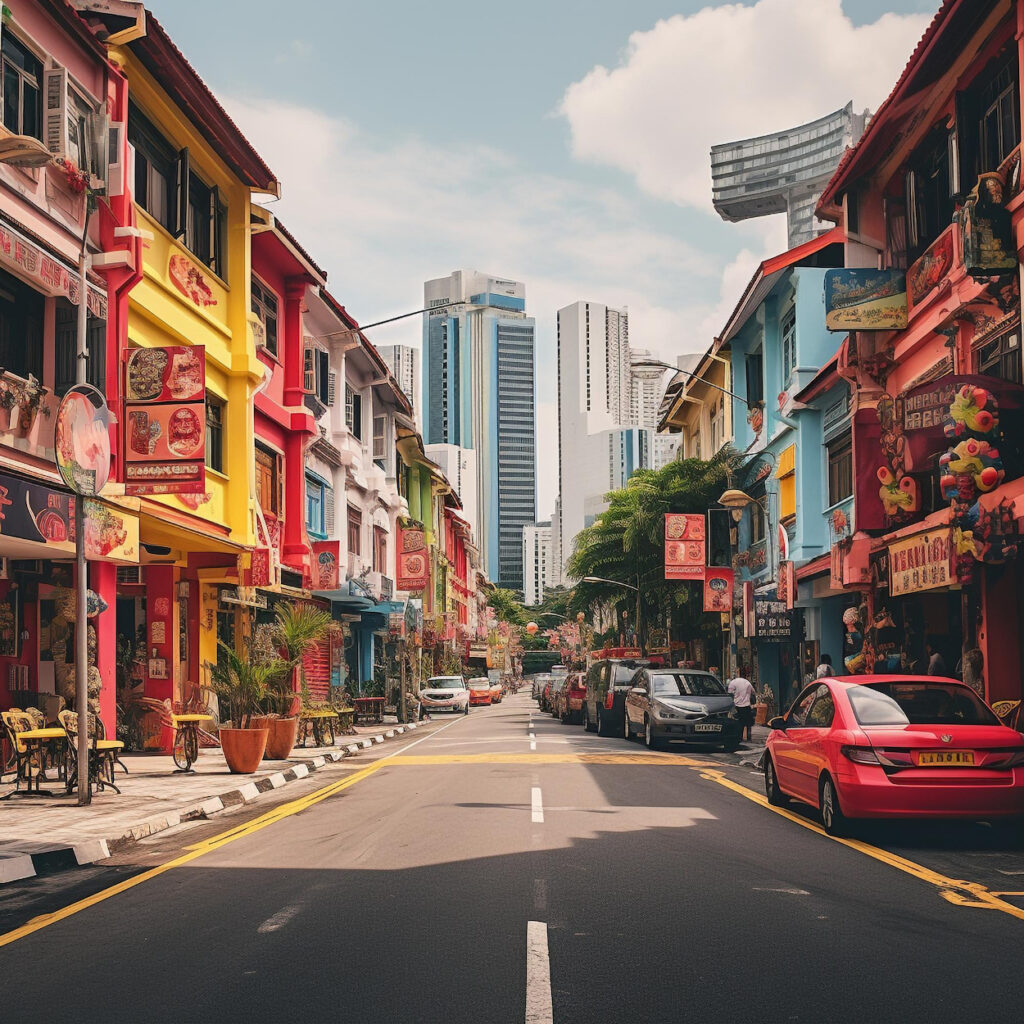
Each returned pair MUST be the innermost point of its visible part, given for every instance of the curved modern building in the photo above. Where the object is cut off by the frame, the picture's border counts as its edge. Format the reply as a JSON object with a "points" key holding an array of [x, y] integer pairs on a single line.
{"points": [[784, 172]]}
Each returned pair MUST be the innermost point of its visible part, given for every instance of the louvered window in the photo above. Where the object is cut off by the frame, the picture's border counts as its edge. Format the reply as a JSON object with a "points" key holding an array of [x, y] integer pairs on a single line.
{"points": [[380, 452], [332, 388], [329, 511]]}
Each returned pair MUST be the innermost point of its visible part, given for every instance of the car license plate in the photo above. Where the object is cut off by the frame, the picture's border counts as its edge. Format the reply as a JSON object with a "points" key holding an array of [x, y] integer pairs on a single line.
{"points": [[944, 757], [707, 727]]}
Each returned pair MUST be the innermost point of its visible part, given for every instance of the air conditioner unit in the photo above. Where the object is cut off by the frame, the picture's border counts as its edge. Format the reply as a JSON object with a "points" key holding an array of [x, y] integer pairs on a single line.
{"points": [[129, 574]]}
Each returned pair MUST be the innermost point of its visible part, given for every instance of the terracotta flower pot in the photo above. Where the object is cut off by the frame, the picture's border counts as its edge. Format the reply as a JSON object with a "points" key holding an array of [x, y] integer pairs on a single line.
{"points": [[243, 749], [281, 738], [760, 714]]}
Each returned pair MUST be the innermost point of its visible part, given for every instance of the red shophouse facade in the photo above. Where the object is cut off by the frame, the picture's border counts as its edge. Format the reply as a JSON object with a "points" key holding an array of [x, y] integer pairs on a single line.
{"points": [[933, 190]]}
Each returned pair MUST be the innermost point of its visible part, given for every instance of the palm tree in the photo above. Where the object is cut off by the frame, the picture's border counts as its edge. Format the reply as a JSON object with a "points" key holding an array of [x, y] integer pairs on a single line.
{"points": [[299, 628]]}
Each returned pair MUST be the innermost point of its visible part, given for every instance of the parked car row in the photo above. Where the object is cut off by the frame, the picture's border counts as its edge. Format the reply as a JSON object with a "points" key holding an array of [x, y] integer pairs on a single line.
{"points": [[630, 698], [455, 694]]}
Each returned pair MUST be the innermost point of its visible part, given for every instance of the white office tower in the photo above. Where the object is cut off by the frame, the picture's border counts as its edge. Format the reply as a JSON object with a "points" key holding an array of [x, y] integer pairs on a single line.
{"points": [[599, 443], [647, 387], [555, 574], [459, 465], [536, 562], [404, 363]]}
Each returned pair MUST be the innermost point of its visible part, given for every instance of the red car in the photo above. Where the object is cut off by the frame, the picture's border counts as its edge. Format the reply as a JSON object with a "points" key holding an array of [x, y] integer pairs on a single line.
{"points": [[894, 747]]}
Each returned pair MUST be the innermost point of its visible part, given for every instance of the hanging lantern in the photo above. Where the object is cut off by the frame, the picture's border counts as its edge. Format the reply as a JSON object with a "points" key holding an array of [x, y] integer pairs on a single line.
{"points": [[531, 628]]}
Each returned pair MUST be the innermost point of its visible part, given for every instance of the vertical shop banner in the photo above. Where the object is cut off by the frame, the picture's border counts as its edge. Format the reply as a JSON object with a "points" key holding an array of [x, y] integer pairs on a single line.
{"points": [[259, 572], [786, 584], [165, 420], [749, 620], [326, 564], [718, 589], [684, 546], [413, 564]]}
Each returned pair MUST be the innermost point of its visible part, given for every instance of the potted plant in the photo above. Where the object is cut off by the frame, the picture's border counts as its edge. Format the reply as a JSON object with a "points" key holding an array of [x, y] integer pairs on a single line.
{"points": [[299, 627], [240, 684]]}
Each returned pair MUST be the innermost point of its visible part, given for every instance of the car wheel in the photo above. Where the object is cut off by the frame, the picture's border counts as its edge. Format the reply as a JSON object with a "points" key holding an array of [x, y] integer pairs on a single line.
{"points": [[604, 728], [652, 741], [587, 727], [731, 746], [626, 731], [835, 824], [466, 711], [771, 785]]}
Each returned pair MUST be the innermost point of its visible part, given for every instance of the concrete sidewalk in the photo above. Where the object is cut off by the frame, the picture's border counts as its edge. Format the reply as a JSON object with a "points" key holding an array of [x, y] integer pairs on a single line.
{"points": [[40, 834]]}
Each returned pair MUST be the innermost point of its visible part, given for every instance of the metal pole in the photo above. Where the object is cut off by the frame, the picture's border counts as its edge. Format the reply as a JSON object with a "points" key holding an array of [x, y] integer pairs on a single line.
{"points": [[81, 567]]}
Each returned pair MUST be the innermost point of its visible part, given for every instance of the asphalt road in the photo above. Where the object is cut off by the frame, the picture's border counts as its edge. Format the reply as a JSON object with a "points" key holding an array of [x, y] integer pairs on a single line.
{"points": [[507, 868]]}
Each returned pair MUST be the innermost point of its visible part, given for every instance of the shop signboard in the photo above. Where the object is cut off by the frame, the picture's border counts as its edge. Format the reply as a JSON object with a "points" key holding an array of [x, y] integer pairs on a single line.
{"points": [[82, 440], [921, 562], [861, 299], [785, 588], [326, 564], [684, 546], [165, 420], [772, 619], [413, 569], [259, 572], [718, 590], [110, 534], [748, 609]]}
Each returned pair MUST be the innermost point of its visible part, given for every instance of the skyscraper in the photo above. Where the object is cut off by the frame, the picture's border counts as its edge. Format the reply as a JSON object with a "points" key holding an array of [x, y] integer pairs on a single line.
{"points": [[404, 362], [536, 562], [784, 172], [478, 393], [606, 419]]}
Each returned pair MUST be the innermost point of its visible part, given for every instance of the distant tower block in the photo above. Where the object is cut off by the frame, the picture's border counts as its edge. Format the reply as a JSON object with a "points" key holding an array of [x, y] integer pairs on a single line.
{"points": [[784, 172]]}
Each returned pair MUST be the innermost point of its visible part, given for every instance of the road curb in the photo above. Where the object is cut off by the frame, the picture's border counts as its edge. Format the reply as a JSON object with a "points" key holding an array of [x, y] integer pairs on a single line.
{"points": [[16, 866]]}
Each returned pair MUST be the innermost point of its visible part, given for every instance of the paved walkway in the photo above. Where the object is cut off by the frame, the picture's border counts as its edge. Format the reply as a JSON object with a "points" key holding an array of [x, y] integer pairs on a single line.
{"points": [[40, 833]]}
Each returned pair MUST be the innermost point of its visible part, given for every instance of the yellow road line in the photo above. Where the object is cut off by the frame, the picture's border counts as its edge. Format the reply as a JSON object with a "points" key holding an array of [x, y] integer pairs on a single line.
{"points": [[648, 759], [959, 892], [194, 852]]}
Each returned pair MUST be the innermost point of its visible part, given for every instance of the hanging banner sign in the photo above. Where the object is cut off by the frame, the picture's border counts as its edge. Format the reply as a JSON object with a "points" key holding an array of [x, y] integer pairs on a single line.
{"points": [[684, 546], [165, 420], [921, 562], [413, 563], [259, 572], [82, 440], [110, 534], [718, 590], [326, 565], [773, 620], [785, 588]]}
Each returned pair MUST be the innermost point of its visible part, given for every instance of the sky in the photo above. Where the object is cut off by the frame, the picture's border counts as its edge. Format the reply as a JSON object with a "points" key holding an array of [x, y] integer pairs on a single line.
{"points": [[561, 143]]}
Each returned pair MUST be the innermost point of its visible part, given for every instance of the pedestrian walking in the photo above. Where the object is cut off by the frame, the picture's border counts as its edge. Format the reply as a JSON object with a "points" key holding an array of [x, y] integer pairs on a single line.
{"points": [[742, 691], [825, 668], [936, 663]]}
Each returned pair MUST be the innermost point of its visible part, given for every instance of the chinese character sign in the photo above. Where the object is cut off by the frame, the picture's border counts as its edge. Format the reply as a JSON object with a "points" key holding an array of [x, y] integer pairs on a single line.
{"points": [[413, 562], [684, 546], [921, 562]]}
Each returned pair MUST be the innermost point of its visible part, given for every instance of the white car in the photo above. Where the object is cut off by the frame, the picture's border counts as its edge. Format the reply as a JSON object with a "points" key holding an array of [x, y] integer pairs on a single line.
{"points": [[445, 693]]}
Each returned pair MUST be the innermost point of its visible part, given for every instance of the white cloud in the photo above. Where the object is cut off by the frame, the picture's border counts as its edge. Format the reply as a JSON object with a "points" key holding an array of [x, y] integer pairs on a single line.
{"points": [[382, 217], [729, 73]]}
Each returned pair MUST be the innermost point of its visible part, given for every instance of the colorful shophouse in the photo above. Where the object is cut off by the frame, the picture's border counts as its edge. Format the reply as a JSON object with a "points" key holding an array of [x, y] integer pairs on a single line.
{"points": [[189, 451], [54, 158], [778, 344], [931, 347]]}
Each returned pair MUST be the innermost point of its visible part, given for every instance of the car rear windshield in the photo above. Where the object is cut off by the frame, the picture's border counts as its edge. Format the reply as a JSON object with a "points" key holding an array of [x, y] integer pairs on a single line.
{"points": [[918, 702], [688, 684]]}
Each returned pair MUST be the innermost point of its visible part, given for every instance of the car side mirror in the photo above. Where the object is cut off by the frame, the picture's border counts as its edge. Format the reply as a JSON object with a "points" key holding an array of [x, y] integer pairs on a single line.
{"points": [[777, 723]]}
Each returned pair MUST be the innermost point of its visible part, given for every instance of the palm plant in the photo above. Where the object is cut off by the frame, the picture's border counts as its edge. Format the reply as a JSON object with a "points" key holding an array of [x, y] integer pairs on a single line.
{"points": [[241, 683], [299, 628]]}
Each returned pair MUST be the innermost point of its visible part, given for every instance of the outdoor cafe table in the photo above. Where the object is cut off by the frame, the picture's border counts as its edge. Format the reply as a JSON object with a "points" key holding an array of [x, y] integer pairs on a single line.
{"points": [[369, 709], [35, 740]]}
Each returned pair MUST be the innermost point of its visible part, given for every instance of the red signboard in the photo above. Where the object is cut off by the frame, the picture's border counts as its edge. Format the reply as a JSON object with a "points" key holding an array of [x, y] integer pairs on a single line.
{"points": [[325, 569], [413, 562], [258, 574], [684, 546], [785, 587], [718, 589], [165, 420]]}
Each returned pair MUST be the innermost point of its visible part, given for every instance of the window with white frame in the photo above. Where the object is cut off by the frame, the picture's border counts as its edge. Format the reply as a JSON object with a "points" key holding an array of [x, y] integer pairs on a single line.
{"points": [[788, 345]]}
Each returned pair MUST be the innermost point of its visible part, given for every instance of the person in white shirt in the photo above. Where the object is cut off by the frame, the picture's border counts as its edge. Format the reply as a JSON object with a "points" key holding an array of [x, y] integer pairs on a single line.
{"points": [[825, 668], [742, 691]]}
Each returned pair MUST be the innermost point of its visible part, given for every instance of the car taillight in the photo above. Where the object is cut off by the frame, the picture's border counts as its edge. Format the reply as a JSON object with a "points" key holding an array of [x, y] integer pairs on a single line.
{"points": [[1012, 758], [860, 755], [609, 700]]}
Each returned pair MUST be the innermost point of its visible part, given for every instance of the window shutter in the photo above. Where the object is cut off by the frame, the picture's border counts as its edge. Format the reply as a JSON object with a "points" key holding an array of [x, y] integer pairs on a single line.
{"points": [[215, 231], [357, 415], [895, 234], [55, 115], [279, 477], [322, 383], [110, 166], [329, 511], [309, 368], [379, 427], [332, 388], [181, 194]]}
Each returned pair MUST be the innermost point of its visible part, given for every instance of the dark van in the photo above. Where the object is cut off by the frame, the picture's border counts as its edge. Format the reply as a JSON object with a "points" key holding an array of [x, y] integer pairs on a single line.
{"points": [[607, 685]]}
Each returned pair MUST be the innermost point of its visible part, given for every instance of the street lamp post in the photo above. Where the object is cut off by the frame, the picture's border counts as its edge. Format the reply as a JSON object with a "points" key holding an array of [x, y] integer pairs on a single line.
{"points": [[658, 364]]}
